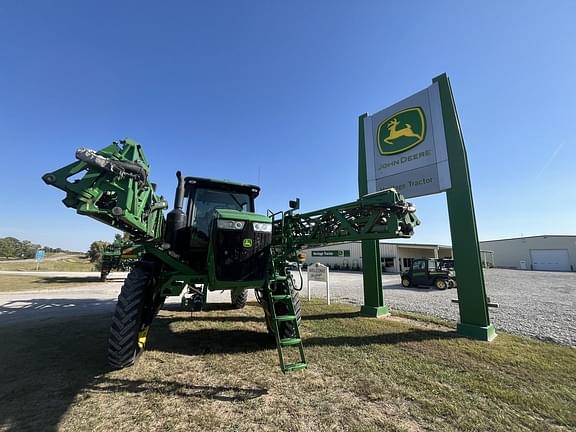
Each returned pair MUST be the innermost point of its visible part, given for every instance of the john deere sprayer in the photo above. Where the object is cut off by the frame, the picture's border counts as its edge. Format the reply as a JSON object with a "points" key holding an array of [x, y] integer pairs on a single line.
{"points": [[212, 239], [120, 255]]}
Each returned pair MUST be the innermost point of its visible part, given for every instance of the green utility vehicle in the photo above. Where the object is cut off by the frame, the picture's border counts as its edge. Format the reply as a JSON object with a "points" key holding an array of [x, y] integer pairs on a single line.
{"points": [[121, 255], [213, 239], [428, 271]]}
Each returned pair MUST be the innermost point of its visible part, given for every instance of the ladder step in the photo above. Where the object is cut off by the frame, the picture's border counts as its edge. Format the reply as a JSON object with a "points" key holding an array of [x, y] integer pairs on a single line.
{"points": [[282, 297], [286, 318], [294, 367], [290, 341]]}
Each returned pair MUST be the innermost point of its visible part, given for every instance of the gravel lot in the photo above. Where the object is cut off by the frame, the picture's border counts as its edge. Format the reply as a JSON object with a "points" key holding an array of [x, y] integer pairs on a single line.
{"points": [[536, 304]]}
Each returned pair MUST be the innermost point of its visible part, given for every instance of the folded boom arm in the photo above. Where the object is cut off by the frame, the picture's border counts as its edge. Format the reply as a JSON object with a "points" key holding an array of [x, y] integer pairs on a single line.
{"points": [[114, 189]]}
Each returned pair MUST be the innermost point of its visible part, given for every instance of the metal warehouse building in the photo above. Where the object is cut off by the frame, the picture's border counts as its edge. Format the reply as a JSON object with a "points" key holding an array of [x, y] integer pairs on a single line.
{"points": [[395, 256], [545, 252]]}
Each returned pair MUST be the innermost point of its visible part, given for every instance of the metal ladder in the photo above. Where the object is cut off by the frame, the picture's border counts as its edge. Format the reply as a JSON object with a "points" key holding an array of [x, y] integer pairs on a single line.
{"points": [[295, 341]]}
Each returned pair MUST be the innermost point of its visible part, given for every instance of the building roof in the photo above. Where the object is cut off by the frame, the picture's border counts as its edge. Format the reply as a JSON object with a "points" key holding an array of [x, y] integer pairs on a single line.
{"points": [[528, 237], [417, 244]]}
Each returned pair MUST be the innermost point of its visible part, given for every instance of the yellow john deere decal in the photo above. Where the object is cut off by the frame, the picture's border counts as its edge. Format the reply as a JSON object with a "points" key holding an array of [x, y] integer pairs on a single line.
{"points": [[247, 243], [142, 335], [401, 131]]}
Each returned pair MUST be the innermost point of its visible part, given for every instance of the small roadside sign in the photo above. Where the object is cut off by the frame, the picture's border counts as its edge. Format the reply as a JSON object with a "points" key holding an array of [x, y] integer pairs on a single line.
{"points": [[321, 273], [39, 257], [40, 254]]}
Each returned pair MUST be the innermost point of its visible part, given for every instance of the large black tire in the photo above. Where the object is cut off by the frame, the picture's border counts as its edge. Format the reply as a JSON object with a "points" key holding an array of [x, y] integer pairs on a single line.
{"points": [[406, 282], [137, 306], [297, 304], [239, 297], [286, 328]]}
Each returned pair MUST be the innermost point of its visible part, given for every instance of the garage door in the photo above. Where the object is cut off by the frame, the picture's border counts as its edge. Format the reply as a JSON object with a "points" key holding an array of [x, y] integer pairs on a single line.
{"points": [[550, 259]]}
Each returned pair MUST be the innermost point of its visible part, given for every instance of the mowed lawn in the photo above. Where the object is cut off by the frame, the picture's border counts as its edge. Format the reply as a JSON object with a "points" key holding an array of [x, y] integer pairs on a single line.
{"points": [[66, 263], [218, 371], [11, 282]]}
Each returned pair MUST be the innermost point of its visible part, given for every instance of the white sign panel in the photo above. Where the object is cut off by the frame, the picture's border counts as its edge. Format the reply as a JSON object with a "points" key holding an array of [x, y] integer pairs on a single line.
{"points": [[321, 273], [317, 272], [406, 146]]}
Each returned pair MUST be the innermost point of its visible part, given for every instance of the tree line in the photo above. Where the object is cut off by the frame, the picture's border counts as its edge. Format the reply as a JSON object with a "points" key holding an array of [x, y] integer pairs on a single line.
{"points": [[11, 247]]}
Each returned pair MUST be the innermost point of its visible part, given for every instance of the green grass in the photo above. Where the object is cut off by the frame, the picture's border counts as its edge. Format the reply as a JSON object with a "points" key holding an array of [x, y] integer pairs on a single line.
{"points": [[218, 371], [68, 264], [10, 282]]}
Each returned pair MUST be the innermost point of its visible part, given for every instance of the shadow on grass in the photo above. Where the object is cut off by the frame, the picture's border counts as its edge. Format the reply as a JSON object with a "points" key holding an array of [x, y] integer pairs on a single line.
{"points": [[45, 367], [47, 364], [216, 341], [177, 307], [70, 280], [220, 393], [197, 316], [331, 316], [207, 341]]}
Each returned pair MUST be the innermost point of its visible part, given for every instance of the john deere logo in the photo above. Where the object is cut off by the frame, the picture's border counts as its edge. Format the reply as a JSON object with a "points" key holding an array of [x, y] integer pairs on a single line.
{"points": [[247, 243], [401, 131]]}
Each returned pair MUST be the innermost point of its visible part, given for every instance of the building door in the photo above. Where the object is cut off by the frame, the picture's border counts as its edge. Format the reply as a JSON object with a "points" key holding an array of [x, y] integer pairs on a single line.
{"points": [[550, 259]]}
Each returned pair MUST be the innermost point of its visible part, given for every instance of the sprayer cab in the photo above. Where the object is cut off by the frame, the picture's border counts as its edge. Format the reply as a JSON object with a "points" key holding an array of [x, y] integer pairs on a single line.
{"points": [[197, 206]]}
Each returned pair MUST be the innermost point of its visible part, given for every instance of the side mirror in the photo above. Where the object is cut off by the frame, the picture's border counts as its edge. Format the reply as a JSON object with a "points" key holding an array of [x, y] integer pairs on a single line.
{"points": [[294, 204]]}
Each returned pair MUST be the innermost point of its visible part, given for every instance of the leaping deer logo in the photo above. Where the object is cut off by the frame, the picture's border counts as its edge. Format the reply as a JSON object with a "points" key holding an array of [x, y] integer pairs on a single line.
{"points": [[394, 133]]}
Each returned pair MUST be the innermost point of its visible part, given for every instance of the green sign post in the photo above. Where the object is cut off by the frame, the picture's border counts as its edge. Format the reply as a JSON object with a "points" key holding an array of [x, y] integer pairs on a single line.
{"points": [[404, 155], [474, 318], [371, 268]]}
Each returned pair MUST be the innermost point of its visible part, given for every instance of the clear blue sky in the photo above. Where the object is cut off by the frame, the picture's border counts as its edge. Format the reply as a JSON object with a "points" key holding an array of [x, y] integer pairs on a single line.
{"points": [[232, 89]]}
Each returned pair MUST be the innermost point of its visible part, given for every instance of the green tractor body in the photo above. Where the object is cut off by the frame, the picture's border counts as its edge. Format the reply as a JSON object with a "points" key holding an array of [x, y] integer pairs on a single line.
{"points": [[121, 255], [213, 239]]}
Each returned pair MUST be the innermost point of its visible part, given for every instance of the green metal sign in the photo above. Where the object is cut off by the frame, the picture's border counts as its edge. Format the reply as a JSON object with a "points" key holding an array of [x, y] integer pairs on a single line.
{"points": [[406, 146], [401, 131], [331, 253]]}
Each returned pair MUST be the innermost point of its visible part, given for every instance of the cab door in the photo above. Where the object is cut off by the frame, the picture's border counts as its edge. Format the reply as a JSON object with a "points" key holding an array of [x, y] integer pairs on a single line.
{"points": [[419, 272]]}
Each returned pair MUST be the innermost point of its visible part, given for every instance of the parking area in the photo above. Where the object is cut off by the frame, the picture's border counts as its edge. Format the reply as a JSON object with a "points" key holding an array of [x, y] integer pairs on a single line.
{"points": [[536, 304]]}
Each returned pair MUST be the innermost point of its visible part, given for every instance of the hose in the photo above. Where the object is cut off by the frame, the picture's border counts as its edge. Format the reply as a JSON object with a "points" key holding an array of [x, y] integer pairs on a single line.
{"points": [[116, 167], [301, 279]]}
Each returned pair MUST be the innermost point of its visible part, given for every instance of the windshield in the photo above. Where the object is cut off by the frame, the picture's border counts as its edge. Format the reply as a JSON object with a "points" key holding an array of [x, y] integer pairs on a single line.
{"points": [[207, 201]]}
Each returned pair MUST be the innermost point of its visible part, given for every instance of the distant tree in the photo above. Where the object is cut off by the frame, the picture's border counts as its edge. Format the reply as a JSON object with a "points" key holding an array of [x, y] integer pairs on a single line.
{"points": [[10, 247], [28, 249], [122, 237], [96, 250]]}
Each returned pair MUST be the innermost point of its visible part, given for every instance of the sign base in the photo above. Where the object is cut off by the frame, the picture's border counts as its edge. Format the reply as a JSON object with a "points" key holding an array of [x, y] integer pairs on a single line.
{"points": [[375, 312], [472, 331]]}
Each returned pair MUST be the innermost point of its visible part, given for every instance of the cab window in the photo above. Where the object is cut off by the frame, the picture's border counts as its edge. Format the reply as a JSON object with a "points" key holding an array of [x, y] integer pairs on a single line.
{"points": [[206, 201], [419, 265]]}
